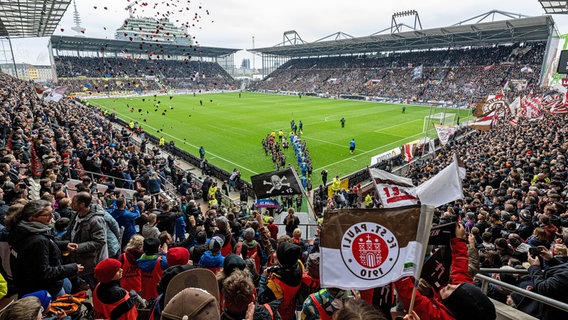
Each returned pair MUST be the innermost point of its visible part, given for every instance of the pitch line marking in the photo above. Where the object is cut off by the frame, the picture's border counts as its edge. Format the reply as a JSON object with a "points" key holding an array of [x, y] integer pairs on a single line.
{"points": [[396, 125], [194, 146], [365, 152]]}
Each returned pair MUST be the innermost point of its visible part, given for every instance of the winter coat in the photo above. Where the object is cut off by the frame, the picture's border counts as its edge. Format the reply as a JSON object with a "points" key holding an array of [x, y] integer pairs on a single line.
{"points": [[36, 259], [209, 260], [126, 219], [91, 236], [153, 185], [433, 309], [551, 283], [113, 235]]}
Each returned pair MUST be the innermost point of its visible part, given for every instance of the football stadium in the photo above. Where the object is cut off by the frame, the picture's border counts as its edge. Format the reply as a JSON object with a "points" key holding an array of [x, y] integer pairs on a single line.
{"points": [[412, 173]]}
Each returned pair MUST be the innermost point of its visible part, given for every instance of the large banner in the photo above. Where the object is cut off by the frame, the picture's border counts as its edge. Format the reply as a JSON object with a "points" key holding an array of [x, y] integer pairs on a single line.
{"points": [[363, 249]]}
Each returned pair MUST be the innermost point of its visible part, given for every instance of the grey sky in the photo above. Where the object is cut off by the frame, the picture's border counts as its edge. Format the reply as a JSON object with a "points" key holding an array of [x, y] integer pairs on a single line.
{"points": [[232, 24]]}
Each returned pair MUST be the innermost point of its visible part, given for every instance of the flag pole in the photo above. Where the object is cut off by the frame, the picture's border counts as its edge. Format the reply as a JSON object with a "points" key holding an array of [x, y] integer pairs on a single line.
{"points": [[424, 227], [310, 205]]}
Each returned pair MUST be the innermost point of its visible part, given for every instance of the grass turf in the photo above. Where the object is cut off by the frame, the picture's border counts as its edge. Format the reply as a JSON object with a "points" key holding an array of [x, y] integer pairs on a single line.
{"points": [[231, 128]]}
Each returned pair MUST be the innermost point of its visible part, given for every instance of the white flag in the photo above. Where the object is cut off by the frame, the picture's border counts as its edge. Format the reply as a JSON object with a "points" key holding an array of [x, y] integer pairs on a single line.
{"points": [[363, 249], [444, 132], [444, 187], [393, 191], [56, 94]]}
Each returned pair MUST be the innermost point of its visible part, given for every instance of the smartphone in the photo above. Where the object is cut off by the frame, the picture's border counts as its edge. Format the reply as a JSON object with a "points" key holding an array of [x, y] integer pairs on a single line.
{"points": [[534, 251]]}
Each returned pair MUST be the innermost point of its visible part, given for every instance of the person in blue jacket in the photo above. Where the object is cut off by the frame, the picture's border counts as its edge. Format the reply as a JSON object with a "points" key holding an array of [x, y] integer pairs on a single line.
{"points": [[126, 219]]}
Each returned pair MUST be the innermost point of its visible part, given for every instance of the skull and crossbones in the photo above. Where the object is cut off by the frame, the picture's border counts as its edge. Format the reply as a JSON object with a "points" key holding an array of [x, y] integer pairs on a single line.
{"points": [[276, 182]]}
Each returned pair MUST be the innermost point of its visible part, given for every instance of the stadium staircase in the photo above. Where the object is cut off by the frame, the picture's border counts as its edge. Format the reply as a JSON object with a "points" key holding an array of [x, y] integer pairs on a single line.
{"points": [[34, 188]]}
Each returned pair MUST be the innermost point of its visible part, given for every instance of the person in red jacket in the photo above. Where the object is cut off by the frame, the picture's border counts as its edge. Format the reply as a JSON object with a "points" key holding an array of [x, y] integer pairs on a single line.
{"points": [[132, 276], [109, 299], [460, 299]]}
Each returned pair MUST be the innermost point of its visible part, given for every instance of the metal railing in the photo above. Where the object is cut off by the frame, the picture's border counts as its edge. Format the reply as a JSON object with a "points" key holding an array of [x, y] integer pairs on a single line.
{"points": [[309, 230], [486, 280]]}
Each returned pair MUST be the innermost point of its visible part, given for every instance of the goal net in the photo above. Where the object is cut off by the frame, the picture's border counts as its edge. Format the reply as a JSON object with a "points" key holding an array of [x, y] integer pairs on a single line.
{"points": [[447, 119]]}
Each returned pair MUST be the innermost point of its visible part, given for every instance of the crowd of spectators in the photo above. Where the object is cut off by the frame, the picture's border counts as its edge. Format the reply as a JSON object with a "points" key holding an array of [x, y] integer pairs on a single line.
{"points": [[514, 211], [104, 75], [125, 251], [514, 206], [458, 76]]}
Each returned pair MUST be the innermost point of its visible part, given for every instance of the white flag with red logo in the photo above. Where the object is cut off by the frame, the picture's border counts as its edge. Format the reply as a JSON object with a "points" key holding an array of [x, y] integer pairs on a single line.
{"points": [[363, 249], [444, 132], [393, 191]]}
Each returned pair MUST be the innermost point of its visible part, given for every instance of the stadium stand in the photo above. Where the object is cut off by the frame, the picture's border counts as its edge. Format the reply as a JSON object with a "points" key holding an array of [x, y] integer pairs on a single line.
{"points": [[89, 74], [456, 76], [516, 193]]}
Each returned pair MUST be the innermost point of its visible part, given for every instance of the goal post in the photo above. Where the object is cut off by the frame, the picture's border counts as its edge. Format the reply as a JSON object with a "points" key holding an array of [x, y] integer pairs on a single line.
{"points": [[443, 118]]}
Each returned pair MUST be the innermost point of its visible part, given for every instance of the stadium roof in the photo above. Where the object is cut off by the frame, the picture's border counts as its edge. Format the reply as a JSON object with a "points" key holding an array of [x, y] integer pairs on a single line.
{"points": [[30, 18], [554, 7], [106, 46], [478, 34]]}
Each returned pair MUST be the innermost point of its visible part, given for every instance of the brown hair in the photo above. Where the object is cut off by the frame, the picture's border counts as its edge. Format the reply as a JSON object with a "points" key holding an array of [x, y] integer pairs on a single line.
{"points": [[24, 309], [238, 290], [20, 213], [358, 310]]}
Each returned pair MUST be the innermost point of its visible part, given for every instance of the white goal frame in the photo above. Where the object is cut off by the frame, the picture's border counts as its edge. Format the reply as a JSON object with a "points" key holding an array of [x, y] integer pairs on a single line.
{"points": [[443, 118]]}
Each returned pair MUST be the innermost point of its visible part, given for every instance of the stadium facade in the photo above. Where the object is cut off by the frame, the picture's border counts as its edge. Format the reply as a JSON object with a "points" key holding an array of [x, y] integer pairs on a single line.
{"points": [[150, 29]]}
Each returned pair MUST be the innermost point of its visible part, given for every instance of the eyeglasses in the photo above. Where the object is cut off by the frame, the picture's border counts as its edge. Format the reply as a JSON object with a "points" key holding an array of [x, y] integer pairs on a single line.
{"points": [[46, 214]]}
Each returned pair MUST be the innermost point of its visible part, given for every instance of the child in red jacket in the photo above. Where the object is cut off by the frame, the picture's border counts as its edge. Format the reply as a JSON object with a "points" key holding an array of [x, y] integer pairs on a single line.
{"points": [[109, 299], [458, 300]]}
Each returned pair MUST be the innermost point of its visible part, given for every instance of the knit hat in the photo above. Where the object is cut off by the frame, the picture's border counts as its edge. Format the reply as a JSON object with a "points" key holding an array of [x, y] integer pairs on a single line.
{"points": [[192, 303], [151, 246], [43, 296], [467, 302], [107, 269], [233, 262], [177, 256], [216, 243], [288, 254], [526, 216]]}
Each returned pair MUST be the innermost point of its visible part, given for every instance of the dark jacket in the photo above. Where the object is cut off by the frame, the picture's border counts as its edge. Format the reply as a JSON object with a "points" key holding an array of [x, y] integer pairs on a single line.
{"points": [[551, 283], [36, 259], [166, 221]]}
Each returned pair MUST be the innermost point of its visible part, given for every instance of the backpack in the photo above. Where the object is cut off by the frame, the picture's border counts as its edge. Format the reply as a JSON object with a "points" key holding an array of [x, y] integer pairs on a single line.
{"points": [[74, 305]]}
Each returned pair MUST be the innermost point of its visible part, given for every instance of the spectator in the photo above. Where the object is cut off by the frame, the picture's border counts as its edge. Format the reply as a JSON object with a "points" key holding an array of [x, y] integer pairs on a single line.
{"points": [[88, 230], [292, 222], [36, 257], [132, 276], [149, 230], [283, 281], [458, 300], [238, 288], [152, 265], [109, 299], [550, 282], [212, 258], [192, 303], [126, 219]]}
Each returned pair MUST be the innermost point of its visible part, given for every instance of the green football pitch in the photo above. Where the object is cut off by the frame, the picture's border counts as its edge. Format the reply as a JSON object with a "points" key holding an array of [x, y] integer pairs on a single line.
{"points": [[231, 128]]}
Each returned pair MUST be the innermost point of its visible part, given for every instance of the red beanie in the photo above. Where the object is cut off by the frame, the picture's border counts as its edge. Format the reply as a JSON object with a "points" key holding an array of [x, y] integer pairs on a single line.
{"points": [[107, 269], [177, 256]]}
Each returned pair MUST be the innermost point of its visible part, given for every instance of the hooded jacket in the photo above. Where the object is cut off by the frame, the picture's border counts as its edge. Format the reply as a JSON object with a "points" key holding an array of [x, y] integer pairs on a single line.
{"points": [[35, 259], [433, 309], [91, 236]]}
